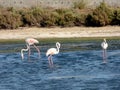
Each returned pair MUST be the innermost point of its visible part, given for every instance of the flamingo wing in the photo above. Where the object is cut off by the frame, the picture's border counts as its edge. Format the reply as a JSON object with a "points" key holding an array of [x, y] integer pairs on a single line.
{"points": [[31, 41], [51, 51], [104, 45]]}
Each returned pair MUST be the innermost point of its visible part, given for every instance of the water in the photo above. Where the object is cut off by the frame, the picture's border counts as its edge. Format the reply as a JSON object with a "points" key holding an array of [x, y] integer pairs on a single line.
{"points": [[78, 66]]}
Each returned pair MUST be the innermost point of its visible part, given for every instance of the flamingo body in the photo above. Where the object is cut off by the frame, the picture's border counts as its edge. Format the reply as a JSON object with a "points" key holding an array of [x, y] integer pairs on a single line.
{"points": [[52, 51], [104, 44], [29, 42]]}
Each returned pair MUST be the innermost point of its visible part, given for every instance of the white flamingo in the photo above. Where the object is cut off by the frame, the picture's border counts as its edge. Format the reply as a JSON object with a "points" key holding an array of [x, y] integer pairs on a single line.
{"points": [[104, 45], [52, 51], [29, 42]]}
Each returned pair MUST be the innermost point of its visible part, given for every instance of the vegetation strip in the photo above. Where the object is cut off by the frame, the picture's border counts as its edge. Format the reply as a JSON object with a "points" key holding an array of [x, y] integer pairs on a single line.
{"points": [[79, 15]]}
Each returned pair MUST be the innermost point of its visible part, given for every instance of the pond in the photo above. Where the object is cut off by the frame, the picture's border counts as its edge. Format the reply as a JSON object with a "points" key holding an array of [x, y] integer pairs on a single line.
{"points": [[78, 66]]}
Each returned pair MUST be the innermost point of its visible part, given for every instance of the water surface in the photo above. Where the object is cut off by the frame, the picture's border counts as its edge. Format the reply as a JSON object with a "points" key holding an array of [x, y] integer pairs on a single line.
{"points": [[78, 66]]}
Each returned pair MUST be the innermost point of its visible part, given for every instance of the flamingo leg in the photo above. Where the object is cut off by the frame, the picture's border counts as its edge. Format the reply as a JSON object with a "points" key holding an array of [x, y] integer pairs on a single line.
{"points": [[29, 52], [37, 49], [104, 55], [50, 60]]}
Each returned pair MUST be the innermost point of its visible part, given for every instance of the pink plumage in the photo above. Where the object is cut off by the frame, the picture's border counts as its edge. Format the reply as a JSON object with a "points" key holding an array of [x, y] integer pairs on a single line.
{"points": [[31, 41]]}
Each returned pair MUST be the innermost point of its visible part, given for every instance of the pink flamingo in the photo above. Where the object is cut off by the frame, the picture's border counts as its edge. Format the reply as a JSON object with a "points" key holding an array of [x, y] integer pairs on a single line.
{"points": [[104, 45], [51, 52], [29, 42]]}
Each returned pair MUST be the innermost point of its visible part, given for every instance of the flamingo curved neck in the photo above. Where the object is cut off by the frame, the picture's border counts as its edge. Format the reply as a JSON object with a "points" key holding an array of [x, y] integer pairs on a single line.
{"points": [[57, 51], [24, 50], [58, 47]]}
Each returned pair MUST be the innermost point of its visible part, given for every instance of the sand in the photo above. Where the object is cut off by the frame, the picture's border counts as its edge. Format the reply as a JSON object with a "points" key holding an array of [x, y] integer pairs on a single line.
{"points": [[57, 32]]}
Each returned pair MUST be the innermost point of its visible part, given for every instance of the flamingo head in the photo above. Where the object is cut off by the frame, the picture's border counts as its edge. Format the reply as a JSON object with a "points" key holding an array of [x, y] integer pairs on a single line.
{"points": [[104, 39]]}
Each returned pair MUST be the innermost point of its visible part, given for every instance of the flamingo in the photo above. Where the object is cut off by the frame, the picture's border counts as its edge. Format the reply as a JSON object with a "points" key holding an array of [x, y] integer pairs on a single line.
{"points": [[29, 42], [52, 51], [104, 45]]}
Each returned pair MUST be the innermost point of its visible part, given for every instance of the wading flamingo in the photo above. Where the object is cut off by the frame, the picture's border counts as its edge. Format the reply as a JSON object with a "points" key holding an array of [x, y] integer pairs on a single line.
{"points": [[29, 42], [104, 45], [52, 51]]}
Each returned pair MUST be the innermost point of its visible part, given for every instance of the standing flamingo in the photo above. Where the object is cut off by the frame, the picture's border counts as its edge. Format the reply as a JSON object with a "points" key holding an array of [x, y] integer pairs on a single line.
{"points": [[51, 52], [29, 42], [104, 45]]}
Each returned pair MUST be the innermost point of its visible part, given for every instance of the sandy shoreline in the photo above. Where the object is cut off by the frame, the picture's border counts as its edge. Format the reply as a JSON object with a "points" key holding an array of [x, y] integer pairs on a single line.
{"points": [[71, 32]]}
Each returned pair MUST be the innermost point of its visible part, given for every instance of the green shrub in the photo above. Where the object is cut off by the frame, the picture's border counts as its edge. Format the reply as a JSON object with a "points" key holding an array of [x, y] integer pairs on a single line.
{"points": [[79, 20], [48, 19], [116, 17], [10, 20], [100, 16], [16, 21], [29, 19], [38, 13], [32, 17], [65, 17]]}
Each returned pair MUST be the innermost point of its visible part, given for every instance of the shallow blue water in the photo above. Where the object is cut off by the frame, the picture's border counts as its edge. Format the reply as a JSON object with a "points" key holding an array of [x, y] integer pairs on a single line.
{"points": [[78, 66]]}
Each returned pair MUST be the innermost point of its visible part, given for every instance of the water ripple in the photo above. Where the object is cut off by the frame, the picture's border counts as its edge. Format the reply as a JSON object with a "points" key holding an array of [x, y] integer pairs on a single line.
{"points": [[75, 69]]}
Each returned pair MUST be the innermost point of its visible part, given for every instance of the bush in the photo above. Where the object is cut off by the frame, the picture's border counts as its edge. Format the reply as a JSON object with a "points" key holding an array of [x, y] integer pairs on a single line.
{"points": [[48, 19], [100, 16], [116, 17], [65, 18], [29, 19], [32, 17], [10, 20], [79, 20]]}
